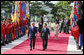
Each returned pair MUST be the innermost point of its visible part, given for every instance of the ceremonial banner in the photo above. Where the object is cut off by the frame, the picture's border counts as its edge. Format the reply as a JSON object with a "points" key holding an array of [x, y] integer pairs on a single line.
{"points": [[76, 12], [18, 8], [12, 8], [27, 9], [12, 14], [15, 11], [23, 10], [72, 15]]}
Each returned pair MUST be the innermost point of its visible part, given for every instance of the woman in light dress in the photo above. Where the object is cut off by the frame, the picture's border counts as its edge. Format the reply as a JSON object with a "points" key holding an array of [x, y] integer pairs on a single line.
{"points": [[49, 25], [56, 30]]}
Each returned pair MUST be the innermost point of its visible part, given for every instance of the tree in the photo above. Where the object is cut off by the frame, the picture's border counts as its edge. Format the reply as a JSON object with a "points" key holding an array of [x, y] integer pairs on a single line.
{"points": [[63, 9], [36, 10], [51, 5], [7, 7], [45, 2]]}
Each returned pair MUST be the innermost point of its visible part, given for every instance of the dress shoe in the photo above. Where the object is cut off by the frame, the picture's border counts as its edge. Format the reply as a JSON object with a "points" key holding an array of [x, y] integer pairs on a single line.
{"points": [[13, 40], [4, 44], [82, 49], [33, 48], [43, 49], [79, 47], [30, 49]]}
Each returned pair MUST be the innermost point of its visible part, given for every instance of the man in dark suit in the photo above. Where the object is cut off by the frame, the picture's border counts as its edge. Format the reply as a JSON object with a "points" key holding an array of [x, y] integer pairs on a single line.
{"points": [[62, 22], [41, 25], [80, 24], [45, 33], [68, 24], [57, 20], [32, 34], [65, 25], [42, 19]]}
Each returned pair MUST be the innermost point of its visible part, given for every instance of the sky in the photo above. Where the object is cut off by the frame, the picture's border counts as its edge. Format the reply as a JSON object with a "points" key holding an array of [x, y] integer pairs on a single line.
{"points": [[54, 2], [51, 1]]}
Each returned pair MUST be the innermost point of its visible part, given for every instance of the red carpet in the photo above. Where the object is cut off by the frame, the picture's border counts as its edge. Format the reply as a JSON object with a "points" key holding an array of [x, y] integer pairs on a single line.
{"points": [[58, 46]]}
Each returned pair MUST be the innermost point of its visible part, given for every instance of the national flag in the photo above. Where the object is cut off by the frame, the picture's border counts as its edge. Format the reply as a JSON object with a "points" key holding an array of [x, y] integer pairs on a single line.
{"points": [[12, 14], [15, 11], [20, 10], [12, 8], [76, 12], [24, 10], [27, 10]]}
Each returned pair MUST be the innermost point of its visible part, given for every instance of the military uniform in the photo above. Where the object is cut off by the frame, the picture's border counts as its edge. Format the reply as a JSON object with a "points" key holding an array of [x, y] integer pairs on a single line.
{"points": [[3, 34], [24, 27], [16, 30], [7, 31], [10, 30]]}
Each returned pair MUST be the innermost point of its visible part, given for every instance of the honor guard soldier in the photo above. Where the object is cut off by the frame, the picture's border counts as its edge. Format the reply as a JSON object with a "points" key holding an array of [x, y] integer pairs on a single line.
{"points": [[10, 30], [16, 30], [3, 33], [6, 32], [19, 28], [24, 27], [13, 31]]}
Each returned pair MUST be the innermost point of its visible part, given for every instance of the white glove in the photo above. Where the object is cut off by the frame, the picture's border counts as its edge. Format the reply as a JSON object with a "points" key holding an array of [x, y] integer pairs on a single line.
{"points": [[48, 36], [35, 34]]}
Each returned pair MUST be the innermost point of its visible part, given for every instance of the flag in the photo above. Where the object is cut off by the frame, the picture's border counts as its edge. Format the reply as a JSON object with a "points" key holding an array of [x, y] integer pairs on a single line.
{"points": [[12, 14], [76, 12], [12, 17], [15, 11], [24, 10], [20, 10], [12, 8], [71, 16], [27, 9]]}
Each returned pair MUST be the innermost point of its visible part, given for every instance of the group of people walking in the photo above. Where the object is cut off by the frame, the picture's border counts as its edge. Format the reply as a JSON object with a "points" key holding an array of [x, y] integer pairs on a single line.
{"points": [[44, 30], [44, 33], [65, 23]]}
